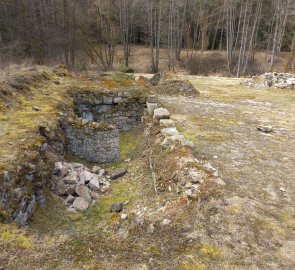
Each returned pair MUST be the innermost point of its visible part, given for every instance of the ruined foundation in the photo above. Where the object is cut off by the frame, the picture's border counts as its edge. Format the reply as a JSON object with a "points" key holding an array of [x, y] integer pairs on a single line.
{"points": [[93, 143]]}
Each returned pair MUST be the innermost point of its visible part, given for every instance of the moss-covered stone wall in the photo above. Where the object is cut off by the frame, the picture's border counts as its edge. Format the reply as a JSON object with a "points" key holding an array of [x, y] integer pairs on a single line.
{"points": [[94, 142], [118, 108]]}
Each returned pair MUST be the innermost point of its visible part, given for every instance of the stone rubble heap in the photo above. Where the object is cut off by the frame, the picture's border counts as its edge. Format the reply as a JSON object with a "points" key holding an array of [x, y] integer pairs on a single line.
{"points": [[189, 173], [80, 187], [272, 79]]}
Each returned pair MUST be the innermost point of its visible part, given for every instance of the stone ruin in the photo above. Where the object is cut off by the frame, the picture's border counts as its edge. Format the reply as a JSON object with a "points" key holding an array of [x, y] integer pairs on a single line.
{"points": [[122, 109], [93, 141], [95, 135], [172, 161], [272, 79], [78, 186]]}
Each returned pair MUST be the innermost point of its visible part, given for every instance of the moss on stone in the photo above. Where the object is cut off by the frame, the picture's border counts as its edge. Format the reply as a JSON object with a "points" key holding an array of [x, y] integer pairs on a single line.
{"points": [[81, 123]]}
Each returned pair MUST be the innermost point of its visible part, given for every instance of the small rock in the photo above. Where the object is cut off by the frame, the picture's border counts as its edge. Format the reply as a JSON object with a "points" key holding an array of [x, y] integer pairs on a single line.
{"points": [[150, 228], [166, 123], [117, 100], [84, 193], [124, 216], [71, 178], [118, 173], [60, 169], [139, 220], [189, 193], [95, 169], [94, 195], [70, 199], [29, 177], [105, 187], [195, 176], [116, 207], [94, 183], [151, 107], [102, 172], [35, 108], [282, 189], [61, 188], [86, 176], [161, 113], [169, 132], [265, 129], [166, 222], [80, 204]]}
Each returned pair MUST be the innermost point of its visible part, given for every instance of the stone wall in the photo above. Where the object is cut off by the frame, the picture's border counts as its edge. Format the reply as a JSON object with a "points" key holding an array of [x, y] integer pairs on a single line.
{"points": [[117, 108], [22, 186], [171, 156], [93, 143]]}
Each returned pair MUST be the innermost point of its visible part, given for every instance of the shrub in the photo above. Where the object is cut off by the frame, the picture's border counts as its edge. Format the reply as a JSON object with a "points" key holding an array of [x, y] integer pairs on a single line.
{"points": [[125, 69]]}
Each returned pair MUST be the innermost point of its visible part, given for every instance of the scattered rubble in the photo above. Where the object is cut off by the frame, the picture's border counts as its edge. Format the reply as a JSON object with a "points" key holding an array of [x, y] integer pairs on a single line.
{"points": [[79, 186], [272, 79], [171, 157]]}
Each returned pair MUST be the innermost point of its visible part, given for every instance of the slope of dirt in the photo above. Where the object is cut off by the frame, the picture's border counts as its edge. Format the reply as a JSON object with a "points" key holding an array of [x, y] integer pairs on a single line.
{"points": [[253, 224]]}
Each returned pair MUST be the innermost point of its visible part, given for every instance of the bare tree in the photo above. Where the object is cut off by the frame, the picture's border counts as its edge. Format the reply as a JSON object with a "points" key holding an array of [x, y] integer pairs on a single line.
{"points": [[155, 18]]}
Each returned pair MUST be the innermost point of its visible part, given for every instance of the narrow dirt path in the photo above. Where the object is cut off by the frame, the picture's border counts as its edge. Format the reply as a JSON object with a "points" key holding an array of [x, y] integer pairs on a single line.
{"points": [[253, 226]]}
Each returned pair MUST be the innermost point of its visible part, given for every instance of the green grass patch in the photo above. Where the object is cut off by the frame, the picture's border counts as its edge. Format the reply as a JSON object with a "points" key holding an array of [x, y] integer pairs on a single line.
{"points": [[120, 77], [129, 142], [3, 117], [207, 250], [188, 134]]}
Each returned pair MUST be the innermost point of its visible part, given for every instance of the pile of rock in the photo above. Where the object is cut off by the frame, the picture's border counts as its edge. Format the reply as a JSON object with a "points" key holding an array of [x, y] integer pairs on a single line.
{"points": [[79, 186], [169, 84], [187, 173], [161, 116], [177, 87], [272, 79]]}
